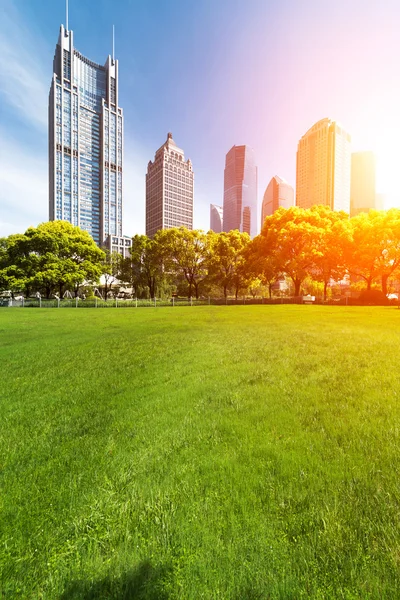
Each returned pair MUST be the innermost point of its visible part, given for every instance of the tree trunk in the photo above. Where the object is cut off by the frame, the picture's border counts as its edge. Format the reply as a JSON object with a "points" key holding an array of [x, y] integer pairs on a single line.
{"points": [[384, 283], [225, 291], [270, 289], [297, 284], [196, 287]]}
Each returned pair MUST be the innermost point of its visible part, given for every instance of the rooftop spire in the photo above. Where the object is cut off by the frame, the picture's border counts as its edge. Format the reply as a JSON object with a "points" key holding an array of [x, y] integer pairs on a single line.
{"points": [[113, 44]]}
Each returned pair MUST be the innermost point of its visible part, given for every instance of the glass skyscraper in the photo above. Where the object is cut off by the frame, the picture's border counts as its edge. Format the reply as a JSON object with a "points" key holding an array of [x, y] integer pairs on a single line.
{"points": [[85, 143], [279, 194], [216, 218], [240, 191]]}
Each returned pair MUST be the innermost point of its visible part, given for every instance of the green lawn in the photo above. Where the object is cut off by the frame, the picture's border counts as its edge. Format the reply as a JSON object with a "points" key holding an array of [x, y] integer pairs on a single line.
{"points": [[200, 452]]}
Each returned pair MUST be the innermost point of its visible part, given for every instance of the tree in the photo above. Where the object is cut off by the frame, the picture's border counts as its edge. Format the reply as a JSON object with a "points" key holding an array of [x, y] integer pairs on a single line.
{"points": [[292, 236], [227, 257], [144, 268], [111, 270], [388, 223], [366, 250], [185, 252], [53, 256], [333, 236], [261, 261]]}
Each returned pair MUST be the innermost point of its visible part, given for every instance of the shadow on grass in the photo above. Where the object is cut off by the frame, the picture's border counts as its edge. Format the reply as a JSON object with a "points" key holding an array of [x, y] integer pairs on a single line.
{"points": [[143, 583]]}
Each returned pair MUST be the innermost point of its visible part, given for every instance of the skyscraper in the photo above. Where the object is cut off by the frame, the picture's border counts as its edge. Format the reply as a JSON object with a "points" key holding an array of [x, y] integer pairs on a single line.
{"points": [[85, 143], [216, 213], [169, 189], [323, 167], [279, 194], [362, 189], [240, 191]]}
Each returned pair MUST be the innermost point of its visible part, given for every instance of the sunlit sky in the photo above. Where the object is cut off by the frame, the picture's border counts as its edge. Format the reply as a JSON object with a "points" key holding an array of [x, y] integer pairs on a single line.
{"points": [[215, 73]]}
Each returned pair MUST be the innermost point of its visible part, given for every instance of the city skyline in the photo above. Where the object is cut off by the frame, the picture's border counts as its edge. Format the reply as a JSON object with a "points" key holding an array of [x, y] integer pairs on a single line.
{"points": [[211, 99]]}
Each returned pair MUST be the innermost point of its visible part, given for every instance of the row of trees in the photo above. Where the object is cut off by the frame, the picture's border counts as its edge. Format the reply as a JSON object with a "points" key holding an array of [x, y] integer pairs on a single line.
{"points": [[315, 244], [302, 245]]}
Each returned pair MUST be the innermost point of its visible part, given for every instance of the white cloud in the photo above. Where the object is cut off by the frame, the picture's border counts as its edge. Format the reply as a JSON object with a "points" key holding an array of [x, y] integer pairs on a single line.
{"points": [[24, 84]]}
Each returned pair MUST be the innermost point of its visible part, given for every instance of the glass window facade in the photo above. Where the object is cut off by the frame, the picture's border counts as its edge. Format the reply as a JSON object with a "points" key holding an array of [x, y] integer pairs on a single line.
{"points": [[240, 191], [85, 142]]}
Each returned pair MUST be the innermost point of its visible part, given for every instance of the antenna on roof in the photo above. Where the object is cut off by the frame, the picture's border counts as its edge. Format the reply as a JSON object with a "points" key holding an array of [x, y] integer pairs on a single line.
{"points": [[66, 15], [113, 44]]}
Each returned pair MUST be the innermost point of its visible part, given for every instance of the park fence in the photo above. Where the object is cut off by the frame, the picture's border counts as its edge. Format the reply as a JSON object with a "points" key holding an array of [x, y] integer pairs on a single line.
{"points": [[158, 302]]}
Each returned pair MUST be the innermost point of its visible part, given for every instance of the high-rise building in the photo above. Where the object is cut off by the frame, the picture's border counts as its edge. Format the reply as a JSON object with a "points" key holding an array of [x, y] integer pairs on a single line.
{"points": [[240, 191], [85, 143], [216, 213], [169, 189], [323, 167], [363, 189], [279, 194]]}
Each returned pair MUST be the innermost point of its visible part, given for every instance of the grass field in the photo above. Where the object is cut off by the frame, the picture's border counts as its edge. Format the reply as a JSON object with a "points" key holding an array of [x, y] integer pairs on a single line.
{"points": [[208, 452]]}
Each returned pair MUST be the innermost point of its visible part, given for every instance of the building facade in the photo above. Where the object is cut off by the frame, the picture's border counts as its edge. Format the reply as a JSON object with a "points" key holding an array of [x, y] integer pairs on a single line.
{"points": [[216, 218], [169, 189], [363, 183], [323, 167], [85, 142], [240, 191], [279, 194]]}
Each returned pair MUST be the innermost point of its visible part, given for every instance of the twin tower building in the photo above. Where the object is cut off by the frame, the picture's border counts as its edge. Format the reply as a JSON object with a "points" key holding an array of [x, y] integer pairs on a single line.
{"points": [[86, 163]]}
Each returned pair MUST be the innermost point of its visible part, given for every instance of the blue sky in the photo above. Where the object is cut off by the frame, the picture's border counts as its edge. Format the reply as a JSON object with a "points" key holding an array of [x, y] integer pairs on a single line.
{"points": [[215, 73]]}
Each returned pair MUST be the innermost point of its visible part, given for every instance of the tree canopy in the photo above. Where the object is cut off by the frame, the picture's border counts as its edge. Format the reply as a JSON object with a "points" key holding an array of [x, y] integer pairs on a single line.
{"points": [[317, 245], [49, 258]]}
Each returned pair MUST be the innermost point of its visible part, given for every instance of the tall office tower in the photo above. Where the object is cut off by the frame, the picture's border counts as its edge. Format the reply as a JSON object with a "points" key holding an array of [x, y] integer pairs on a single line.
{"points": [[85, 143], [240, 191], [323, 167], [362, 188], [216, 213], [279, 194], [169, 189]]}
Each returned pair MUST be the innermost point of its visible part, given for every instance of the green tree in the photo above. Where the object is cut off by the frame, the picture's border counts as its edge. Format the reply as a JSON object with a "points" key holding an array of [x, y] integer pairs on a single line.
{"points": [[261, 261], [112, 270], [144, 267], [185, 252], [227, 259], [52, 257]]}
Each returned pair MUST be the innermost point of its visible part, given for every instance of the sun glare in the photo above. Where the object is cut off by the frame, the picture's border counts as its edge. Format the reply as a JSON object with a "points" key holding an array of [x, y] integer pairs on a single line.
{"points": [[387, 153]]}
